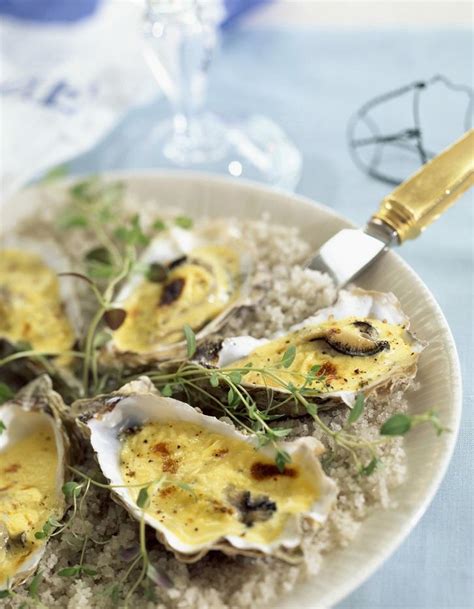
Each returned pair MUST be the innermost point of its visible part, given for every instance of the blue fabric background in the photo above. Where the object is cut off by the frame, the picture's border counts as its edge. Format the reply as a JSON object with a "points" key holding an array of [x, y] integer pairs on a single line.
{"points": [[73, 10], [311, 81]]}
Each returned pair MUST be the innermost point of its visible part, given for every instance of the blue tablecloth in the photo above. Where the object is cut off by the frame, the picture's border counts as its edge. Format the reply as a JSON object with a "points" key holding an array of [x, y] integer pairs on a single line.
{"points": [[311, 81]]}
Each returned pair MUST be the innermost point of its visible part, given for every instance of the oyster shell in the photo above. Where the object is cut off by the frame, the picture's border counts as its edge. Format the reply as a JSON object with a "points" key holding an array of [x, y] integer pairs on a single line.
{"points": [[194, 278], [361, 344], [211, 487], [37, 308], [33, 452]]}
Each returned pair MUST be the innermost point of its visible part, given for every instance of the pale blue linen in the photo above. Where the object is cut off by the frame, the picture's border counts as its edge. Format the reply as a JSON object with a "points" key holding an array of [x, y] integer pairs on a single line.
{"points": [[311, 81]]}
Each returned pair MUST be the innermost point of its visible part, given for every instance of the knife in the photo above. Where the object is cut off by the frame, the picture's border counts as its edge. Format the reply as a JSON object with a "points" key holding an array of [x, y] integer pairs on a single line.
{"points": [[402, 215]]}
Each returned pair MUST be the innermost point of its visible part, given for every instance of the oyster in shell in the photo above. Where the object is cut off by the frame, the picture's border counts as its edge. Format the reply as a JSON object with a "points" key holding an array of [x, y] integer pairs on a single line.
{"points": [[187, 277], [36, 307], [361, 344], [33, 451], [210, 486]]}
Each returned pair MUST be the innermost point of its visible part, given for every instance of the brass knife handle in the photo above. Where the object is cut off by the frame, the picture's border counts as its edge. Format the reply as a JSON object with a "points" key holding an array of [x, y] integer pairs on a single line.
{"points": [[421, 199]]}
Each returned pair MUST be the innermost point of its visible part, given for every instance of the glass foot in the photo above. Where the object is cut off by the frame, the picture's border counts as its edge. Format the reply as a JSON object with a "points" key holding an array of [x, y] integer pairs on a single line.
{"points": [[255, 149]]}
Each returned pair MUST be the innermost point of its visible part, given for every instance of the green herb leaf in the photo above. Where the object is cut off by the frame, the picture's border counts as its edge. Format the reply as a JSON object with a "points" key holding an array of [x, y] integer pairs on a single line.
{"points": [[183, 221], [396, 425], [34, 585], [190, 340], [115, 595], [312, 409], [40, 535], [56, 173], [143, 498], [114, 318], [157, 273], [97, 270], [289, 357], [69, 571], [235, 377], [99, 254], [89, 571], [71, 489], [214, 380], [158, 225], [357, 409], [369, 469], [281, 459], [233, 399], [133, 235], [5, 593], [72, 220], [2, 427], [167, 391], [85, 190]]}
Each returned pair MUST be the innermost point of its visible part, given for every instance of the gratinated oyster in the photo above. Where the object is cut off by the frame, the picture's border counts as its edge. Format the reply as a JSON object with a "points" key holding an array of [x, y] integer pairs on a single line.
{"points": [[186, 277], [361, 344], [33, 452], [36, 307], [210, 486]]}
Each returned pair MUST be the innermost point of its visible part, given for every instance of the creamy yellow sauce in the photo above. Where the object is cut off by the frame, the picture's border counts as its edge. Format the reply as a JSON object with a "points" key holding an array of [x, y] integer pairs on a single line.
{"points": [[28, 496], [338, 372], [30, 303], [215, 471], [204, 285]]}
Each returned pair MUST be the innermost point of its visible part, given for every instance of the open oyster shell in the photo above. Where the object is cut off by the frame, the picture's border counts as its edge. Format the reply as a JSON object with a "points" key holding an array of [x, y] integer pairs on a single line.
{"points": [[361, 344], [187, 277], [36, 306], [33, 454], [210, 486]]}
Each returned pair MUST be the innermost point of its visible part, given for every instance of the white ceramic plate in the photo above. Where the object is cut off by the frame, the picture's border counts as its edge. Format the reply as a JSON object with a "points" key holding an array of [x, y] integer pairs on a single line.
{"points": [[439, 374]]}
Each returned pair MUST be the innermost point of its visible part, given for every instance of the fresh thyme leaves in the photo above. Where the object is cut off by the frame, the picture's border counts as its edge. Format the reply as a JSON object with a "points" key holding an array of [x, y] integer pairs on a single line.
{"points": [[158, 225], [282, 459], [190, 340], [224, 391], [5, 393], [157, 273], [143, 499], [368, 470], [399, 424], [167, 391], [72, 489], [3, 427], [81, 568], [183, 222], [35, 584], [289, 357], [132, 235], [56, 173], [396, 425], [356, 412]]}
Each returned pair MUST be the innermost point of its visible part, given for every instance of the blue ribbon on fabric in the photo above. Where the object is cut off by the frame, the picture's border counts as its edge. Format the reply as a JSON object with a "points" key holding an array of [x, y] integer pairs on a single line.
{"points": [[74, 10]]}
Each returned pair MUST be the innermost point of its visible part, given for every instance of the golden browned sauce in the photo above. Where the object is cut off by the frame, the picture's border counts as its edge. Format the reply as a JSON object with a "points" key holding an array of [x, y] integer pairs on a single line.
{"points": [[194, 293], [213, 485], [28, 496], [30, 303], [338, 371]]}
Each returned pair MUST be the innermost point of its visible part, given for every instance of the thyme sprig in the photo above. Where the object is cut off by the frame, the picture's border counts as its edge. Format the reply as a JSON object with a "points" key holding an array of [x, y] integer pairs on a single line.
{"points": [[236, 400]]}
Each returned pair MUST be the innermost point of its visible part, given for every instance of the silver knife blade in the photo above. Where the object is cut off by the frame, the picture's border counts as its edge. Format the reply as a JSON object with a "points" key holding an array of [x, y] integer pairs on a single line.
{"points": [[352, 250]]}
